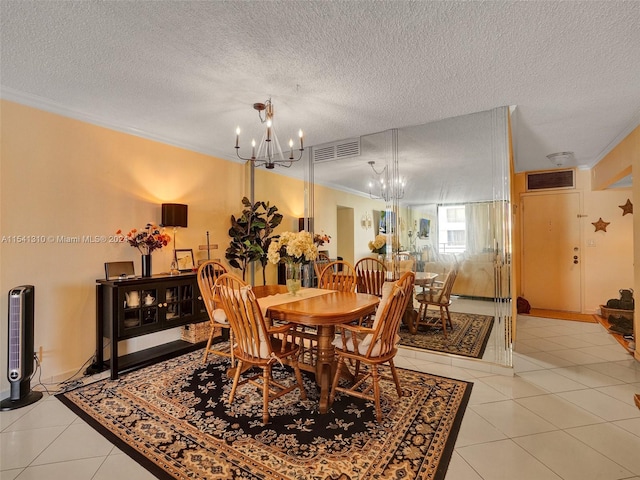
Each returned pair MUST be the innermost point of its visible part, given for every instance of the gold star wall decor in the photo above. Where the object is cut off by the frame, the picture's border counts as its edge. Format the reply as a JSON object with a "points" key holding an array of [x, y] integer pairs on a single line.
{"points": [[627, 207], [600, 225]]}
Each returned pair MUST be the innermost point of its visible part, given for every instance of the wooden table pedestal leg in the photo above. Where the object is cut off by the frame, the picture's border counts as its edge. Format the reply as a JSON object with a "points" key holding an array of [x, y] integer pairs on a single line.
{"points": [[325, 365]]}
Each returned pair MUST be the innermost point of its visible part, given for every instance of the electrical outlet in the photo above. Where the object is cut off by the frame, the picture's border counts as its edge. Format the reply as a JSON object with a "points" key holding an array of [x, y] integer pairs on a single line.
{"points": [[40, 354]]}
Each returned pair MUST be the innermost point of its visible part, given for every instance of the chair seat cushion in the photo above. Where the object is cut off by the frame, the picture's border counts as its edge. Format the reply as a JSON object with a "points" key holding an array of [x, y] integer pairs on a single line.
{"points": [[362, 347], [219, 316]]}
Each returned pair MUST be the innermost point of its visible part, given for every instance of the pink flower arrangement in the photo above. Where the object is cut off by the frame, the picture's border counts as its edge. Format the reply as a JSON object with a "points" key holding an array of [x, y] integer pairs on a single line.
{"points": [[146, 240], [320, 239]]}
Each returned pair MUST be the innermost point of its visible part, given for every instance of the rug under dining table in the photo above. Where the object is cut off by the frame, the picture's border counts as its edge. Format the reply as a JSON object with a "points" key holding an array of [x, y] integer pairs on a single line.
{"points": [[468, 337], [174, 419]]}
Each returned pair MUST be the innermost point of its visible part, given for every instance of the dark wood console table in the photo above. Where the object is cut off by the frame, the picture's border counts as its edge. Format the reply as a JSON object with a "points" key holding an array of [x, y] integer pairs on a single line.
{"points": [[138, 306]]}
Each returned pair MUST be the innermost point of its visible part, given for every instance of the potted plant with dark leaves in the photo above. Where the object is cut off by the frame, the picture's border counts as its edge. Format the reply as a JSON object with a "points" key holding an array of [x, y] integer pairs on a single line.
{"points": [[250, 234]]}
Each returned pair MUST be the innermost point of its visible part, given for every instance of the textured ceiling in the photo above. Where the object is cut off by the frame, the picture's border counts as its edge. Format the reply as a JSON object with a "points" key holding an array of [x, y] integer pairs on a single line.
{"points": [[188, 72]]}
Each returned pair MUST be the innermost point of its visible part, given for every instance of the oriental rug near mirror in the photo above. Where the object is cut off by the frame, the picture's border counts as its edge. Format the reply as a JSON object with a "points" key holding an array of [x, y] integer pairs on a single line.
{"points": [[174, 419], [468, 337]]}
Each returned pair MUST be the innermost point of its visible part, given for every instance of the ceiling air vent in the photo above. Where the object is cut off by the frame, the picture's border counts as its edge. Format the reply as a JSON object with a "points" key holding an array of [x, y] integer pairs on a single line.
{"points": [[336, 150], [551, 179]]}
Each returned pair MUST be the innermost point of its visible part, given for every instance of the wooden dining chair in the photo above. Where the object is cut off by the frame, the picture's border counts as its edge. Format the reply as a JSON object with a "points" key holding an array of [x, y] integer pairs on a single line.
{"points": [[437, 295], [256, 344], [405, 263], [370, 275], [373, 346], [338, 275], [208, 272]]}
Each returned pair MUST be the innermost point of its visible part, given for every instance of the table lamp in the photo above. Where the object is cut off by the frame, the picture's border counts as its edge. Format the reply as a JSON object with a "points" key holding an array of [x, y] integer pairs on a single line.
{"points": [[174, 215]]}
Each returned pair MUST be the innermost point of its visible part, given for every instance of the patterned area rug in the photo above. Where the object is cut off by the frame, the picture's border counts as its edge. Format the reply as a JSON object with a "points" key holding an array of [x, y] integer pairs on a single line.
{"points": [[174, 419], [468, 338]]}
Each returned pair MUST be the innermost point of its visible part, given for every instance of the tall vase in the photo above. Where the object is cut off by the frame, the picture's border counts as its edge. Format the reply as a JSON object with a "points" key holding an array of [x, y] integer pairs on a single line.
{"points": [[294, 277], [146, 265]]}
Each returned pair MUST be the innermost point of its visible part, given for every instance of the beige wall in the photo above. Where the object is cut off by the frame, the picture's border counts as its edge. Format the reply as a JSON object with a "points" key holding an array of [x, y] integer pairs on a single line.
{"points": [[61, 178], [624, 159], [288, 195], [65, 178], [327, 203], [606, 256]]}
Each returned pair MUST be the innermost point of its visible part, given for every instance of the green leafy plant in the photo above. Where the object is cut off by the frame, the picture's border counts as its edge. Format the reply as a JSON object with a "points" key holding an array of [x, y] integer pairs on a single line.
{"points": [[251, 235]]}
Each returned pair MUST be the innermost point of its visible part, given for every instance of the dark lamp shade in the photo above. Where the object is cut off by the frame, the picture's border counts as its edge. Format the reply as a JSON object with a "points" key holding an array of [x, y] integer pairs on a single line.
{"points": [[174, 215], [305, 224]]}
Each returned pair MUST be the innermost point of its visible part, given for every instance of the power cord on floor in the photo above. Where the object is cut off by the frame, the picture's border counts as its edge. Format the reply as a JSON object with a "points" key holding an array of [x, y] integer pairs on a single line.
{"points": [[64, 385]]}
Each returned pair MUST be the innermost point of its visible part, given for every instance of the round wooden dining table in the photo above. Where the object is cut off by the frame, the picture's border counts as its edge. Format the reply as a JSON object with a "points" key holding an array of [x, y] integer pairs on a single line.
{"points": [[325, 312]]}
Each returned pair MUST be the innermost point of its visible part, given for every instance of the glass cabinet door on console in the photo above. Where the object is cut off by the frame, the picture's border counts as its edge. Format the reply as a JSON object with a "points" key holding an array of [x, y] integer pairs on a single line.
{"points": [[180, 301], [133, 307], [138, 310]]}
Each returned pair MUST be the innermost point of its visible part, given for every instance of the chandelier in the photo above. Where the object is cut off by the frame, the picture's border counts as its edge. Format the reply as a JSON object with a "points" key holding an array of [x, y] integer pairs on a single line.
{"points": [[383, 187], [269, 152]]}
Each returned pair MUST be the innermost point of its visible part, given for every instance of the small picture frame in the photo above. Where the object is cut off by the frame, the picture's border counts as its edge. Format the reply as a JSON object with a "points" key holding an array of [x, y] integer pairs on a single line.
{"points": [[425, 224], [184, 259]]}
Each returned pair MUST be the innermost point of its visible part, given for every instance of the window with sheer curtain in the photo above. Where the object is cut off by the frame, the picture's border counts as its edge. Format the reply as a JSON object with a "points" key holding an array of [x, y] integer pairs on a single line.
{"points": [[470, 228]]}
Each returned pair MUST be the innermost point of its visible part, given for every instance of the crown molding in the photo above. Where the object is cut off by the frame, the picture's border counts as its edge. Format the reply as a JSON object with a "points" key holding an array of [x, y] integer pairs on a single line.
{"points": [[633, 124], [47, 105]]}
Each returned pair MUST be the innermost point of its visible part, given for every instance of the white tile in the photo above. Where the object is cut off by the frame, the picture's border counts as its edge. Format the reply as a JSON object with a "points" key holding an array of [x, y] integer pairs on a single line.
{"points": [[10, 474], [577, 357], [459, 469], [521, 347], [571, 459], [617, 444], [512, 419], [522, 364], [610, 353], [8, 417], [586, 376], [571, 341], [632, 425], [77, 441], [476, 429], [49, 413], [541, 344], [601, 405], [558, 411], [515, 387], [624, 392], [551, 381], [20, 448], [119, 465], [483, 393], [596, 338], [548, 360], [623, 371], [74, 469], [450, 371], [505, 460]]}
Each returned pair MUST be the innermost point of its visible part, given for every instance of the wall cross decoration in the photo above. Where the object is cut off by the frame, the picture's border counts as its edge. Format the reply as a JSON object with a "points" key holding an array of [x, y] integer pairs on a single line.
{"points": [[600, 225], [627, 207]]}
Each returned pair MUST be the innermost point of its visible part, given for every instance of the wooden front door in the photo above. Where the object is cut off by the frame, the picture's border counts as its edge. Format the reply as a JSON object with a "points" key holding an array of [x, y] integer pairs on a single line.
{"points": [[551, 251]]}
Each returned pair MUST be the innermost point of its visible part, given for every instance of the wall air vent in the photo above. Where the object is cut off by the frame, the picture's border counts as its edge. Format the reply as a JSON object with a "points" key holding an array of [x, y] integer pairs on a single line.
{"points": [[553, 179], [336, 150]]}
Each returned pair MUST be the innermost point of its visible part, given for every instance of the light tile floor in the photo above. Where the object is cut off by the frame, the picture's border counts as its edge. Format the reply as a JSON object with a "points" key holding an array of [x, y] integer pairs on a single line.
{"points": [[567, 413]]}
